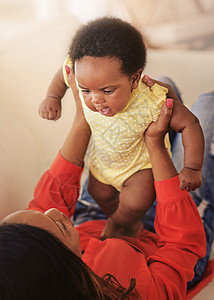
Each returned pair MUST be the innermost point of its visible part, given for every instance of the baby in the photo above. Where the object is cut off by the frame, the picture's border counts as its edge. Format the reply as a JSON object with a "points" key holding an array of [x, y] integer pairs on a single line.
{"points": [[107, 57]]}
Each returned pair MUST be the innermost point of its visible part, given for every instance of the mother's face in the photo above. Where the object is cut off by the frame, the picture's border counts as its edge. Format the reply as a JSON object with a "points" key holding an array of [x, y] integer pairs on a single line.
{"points": [[53, 221]]}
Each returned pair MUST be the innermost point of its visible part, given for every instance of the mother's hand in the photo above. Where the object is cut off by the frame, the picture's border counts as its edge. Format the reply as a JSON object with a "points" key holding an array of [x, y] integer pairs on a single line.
{"points": [[150, 82], [157, 130], [162, 166]]}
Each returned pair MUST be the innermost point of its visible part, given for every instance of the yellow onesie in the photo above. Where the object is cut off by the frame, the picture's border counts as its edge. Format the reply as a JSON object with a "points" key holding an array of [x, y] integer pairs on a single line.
{"points": [[118, 148]]}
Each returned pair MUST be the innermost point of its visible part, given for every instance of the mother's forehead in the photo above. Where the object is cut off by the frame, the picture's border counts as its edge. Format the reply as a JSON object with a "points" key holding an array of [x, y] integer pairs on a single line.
{"points": [[21, 216]]}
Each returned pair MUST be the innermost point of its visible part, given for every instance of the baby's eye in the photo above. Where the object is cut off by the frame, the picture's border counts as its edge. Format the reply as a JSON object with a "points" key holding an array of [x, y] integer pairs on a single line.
{"points": [[107, 92], [85, 91]]}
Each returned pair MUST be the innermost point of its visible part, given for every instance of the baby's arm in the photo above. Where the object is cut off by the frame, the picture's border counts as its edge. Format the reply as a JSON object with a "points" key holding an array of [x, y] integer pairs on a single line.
{"points": [[185, 122], [188, 125], [50, 107]]}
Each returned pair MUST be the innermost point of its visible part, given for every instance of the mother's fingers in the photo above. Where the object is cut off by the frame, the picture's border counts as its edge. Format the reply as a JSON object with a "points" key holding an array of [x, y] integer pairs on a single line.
{"points": [[150, 82], [71, 79], [166, 114], [161, 126], [169, 103]]}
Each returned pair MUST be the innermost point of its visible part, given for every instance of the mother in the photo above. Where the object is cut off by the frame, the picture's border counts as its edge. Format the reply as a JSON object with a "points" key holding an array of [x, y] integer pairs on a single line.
{"points": [[42, 256]]}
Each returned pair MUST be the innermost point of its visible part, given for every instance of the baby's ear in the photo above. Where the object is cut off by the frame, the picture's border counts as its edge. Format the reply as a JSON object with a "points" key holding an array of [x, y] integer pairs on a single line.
{"points": [[135, 78]]}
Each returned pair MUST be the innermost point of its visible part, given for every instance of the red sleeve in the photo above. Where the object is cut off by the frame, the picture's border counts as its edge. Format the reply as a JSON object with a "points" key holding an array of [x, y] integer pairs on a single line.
{"points": [[58, 187], [181, 241]]}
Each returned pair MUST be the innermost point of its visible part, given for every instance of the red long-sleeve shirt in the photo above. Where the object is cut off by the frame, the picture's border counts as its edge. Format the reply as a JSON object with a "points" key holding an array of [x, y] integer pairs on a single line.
{"points": [[162, 263]]}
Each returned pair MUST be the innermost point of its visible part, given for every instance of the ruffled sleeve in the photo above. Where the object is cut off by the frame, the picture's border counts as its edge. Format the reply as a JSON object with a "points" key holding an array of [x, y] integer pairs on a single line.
{"points": [[156, 100], [68, 63]]}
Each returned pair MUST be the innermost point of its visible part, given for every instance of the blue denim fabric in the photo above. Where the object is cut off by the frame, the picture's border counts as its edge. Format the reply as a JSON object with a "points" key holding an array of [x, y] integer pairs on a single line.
{"points": [[88, 209], [204, 196]]}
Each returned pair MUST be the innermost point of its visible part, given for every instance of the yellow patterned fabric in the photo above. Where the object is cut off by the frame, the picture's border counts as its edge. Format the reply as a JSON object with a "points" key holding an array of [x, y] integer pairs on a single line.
{"points": [[68, 63], [118, 149]]}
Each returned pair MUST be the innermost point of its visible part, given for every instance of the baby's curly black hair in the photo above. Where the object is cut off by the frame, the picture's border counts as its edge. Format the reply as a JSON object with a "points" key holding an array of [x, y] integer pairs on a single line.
{"points": [[113, 37]]}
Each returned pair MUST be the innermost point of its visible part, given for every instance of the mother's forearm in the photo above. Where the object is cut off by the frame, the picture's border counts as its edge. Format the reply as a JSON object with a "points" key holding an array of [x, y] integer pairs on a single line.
{"points": [[76, 143], [162, 165]]}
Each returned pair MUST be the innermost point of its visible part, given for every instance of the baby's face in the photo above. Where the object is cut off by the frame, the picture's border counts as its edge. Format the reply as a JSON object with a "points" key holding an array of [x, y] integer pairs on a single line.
{"points": [[104, 87]]}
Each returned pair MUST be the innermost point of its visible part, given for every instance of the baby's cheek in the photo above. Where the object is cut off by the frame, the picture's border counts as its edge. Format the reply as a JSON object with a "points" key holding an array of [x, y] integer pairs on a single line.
{"points": [[90, 105], [119, 106]]}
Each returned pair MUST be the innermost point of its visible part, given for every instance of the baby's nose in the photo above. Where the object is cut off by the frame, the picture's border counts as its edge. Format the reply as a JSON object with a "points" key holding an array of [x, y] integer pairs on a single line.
{"points": [[97, 99]]}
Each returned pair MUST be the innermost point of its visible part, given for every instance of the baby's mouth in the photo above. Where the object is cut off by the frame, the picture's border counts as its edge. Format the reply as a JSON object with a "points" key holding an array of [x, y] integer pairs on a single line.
{"points": [[104, 111]]}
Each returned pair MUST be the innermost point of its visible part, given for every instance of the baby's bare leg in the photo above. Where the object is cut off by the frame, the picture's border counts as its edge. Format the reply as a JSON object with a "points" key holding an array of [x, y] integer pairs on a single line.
{"points": [[108, 198], [136, 197], [105, 195]]}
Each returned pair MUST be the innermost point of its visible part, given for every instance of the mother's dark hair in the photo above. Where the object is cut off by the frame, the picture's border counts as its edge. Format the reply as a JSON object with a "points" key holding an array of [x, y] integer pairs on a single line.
{"points": [[113, 37], [34, 264]]}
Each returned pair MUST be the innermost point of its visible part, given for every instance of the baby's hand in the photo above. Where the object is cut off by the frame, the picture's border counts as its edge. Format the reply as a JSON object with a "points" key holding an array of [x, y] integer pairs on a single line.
{"points": [[190, 179], [50, 108]]}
